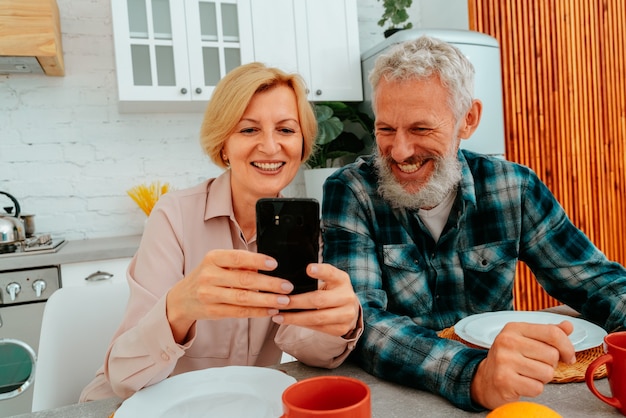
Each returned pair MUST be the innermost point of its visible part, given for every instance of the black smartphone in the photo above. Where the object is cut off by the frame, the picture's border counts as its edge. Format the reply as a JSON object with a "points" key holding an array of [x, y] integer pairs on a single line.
{"points": [[288, 229]]}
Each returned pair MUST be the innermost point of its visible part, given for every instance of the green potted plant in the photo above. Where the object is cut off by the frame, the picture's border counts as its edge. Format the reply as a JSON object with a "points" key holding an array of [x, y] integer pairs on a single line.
{"points": [[344, 133], [395, 15]]}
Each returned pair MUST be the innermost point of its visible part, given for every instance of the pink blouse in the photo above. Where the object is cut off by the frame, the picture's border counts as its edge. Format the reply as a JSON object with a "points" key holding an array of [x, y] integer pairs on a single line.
{"points": [[183, 226]]}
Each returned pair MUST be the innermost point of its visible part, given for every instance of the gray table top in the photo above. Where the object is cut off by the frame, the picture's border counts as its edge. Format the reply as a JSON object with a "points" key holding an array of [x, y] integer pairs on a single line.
{"points": [[393, 401]]}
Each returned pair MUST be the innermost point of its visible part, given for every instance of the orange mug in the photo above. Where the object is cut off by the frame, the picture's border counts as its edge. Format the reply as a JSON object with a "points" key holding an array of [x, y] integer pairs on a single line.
{"points": [[615, 360], [327, 397]]}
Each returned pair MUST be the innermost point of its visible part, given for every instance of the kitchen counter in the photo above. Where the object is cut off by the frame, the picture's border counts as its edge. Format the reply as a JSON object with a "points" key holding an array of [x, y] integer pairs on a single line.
{"points": [[77, 251]]}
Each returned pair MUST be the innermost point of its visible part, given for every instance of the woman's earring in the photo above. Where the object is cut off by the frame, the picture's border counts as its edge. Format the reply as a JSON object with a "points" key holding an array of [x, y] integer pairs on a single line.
{"points": [[225, 159]]}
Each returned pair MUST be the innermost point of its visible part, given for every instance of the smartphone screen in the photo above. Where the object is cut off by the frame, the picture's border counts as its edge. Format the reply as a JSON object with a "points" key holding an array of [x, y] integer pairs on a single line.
{"points": [[288, 229]]}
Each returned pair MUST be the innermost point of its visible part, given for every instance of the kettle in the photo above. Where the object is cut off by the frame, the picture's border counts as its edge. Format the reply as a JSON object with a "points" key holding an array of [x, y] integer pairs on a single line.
{"points": [[11, 226]]}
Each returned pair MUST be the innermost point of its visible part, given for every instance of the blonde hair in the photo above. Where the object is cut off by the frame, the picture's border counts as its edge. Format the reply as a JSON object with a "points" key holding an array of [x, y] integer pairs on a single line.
{"points": [[232, 96]]}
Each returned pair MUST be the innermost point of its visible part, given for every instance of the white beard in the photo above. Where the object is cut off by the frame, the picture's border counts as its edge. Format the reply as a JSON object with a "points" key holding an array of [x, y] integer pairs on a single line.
{"points": [[443, 180]]}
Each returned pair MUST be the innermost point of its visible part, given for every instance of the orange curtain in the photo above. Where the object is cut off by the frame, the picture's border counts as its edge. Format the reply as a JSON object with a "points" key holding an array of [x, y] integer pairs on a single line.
{"points": [[564, 95]]}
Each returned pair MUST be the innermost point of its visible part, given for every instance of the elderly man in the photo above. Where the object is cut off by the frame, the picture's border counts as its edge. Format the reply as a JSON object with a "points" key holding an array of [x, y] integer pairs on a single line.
{"points": [[430, 234]]}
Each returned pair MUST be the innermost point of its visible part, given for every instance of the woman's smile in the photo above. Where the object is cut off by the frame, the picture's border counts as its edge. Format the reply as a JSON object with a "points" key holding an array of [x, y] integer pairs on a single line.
{"points": [[268, 166]]}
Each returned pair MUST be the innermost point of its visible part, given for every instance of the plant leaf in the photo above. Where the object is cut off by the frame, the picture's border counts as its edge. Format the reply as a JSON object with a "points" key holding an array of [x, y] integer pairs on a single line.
{"points": [[328, 126], [332, 142]]}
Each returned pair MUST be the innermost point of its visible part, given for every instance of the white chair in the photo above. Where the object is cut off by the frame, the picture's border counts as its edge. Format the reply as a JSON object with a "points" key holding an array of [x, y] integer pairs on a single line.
{"points": [[78, 323]]}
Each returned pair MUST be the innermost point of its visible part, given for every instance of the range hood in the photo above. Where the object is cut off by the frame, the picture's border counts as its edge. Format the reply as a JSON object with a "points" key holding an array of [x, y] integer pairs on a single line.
{"points": [[30, 37]]}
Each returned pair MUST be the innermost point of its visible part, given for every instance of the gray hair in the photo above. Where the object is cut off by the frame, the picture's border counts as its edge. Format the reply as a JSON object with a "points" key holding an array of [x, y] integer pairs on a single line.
{"points": [[422, 58]]}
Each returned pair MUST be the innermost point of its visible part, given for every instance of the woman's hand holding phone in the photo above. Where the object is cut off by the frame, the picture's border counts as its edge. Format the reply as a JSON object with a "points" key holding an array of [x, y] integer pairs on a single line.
{"points": [[333, 308], [226, 284], [323, 298]]}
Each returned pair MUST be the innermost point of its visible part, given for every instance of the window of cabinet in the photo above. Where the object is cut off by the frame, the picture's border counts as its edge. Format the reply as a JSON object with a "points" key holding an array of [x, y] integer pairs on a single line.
{"points": [[317, 38], [176, 51]]}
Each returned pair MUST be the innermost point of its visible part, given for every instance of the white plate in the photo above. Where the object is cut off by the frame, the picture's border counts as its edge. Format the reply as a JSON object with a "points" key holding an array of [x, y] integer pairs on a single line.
{"points": [[481, 329], [485, 328], [232, 391]]}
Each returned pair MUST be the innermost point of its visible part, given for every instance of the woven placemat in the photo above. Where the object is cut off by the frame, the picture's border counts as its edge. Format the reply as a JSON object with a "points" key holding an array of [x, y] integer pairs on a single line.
{"points": [[564, 373]]}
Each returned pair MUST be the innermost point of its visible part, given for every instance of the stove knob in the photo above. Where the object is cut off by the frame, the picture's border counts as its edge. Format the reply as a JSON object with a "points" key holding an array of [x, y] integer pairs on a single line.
{"points": [[39, 286], [13, 289]]}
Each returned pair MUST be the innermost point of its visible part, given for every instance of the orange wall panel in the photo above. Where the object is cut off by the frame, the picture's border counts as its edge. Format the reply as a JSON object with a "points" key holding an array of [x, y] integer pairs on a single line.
{"points": [[564, 95]]}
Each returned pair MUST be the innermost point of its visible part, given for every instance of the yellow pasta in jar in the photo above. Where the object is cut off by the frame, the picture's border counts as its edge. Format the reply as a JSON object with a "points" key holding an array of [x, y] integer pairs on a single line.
{"points": [[146, 195]]}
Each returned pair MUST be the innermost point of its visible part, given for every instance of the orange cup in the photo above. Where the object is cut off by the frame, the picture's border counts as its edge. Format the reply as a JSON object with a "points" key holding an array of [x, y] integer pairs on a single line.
{"points": [[328, 397], [615, 360]]}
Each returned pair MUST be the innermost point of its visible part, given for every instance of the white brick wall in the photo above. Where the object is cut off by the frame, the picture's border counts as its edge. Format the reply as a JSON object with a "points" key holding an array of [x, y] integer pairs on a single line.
{"points": [[69, 156]]}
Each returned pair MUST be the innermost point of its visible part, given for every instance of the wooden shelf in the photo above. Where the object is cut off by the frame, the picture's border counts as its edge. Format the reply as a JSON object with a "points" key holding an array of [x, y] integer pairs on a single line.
{"points": [[32, 29]]}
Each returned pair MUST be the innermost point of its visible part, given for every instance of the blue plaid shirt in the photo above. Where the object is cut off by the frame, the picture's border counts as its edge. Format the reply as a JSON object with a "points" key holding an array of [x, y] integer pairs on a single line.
{"points": [[410, 286]]}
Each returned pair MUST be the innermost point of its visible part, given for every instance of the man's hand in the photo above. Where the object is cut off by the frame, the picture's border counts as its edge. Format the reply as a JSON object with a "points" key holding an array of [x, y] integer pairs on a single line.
{"points": [[521, 361]]}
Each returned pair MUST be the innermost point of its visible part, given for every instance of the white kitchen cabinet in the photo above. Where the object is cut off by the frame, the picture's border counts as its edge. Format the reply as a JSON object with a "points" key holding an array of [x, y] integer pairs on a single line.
{"points": [[317, 38], [94, 273], [177, 50]]}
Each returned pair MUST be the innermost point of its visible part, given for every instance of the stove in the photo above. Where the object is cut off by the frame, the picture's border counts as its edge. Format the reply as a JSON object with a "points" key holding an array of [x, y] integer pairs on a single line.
{"points": [[40, 244], [23, 297]]}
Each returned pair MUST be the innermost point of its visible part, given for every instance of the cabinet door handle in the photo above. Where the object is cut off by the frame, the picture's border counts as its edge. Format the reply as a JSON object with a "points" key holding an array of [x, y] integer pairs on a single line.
{"points": [[318, 92], [198, 90], [183, 90], [99, 275]]}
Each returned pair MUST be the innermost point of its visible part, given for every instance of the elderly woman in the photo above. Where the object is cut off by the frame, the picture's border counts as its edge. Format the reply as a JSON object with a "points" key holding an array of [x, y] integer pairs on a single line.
{"points": [[197, 299]]}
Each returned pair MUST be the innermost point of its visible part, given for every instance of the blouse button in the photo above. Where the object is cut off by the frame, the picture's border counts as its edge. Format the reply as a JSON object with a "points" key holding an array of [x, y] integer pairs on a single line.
{"points": [[164, 356]]}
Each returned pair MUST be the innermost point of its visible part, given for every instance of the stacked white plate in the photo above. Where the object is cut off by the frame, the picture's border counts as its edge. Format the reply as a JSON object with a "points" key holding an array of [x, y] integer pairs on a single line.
{"points": [[482, 329]]}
